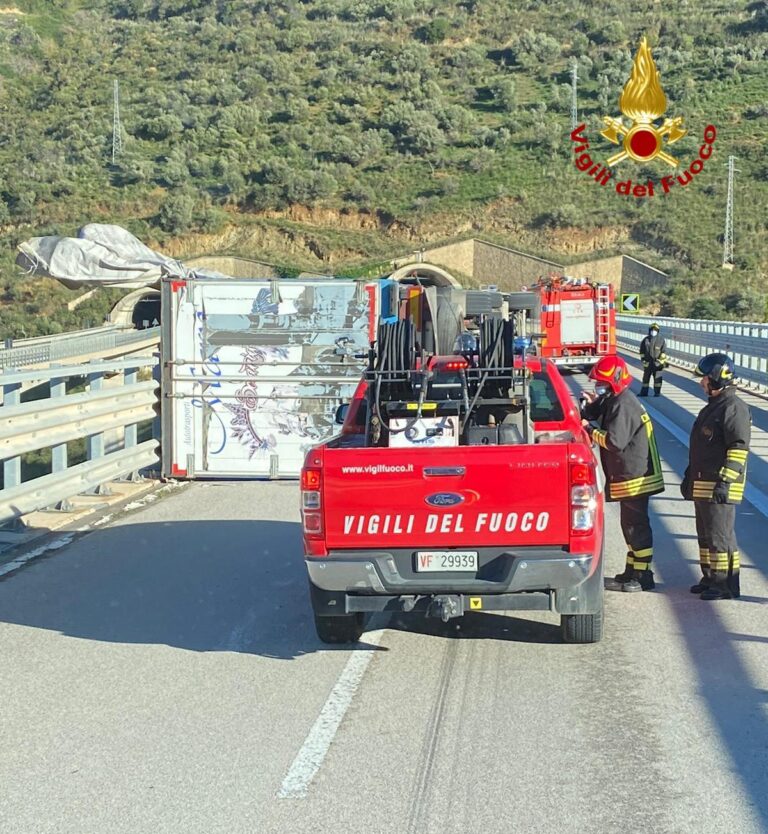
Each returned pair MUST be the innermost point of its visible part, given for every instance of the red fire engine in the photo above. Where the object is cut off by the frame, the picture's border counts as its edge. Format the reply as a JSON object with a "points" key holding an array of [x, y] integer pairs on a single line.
{"points": [[574, 322]]}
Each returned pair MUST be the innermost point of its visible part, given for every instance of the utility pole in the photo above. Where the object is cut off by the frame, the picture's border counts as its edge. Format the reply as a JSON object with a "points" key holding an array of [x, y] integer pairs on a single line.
{"points": [[117, 128], [574, 101], [728, 236]]}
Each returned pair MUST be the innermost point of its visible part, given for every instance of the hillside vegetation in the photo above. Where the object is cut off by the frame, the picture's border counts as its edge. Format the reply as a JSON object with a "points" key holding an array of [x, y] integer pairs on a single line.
{"points": [[400, 122]]}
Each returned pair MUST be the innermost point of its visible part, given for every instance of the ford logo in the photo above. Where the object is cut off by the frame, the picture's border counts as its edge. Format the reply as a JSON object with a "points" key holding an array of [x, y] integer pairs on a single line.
{"points": [[444, 499]]}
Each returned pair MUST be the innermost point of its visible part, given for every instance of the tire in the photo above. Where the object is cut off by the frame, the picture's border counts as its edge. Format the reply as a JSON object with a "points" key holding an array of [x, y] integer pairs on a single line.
{"points": [[449, 324], [582, 628], [343, 629]]}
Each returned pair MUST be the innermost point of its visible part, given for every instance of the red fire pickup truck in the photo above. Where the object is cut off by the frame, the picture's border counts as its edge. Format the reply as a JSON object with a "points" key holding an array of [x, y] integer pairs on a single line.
{"points": [[450, 514]]}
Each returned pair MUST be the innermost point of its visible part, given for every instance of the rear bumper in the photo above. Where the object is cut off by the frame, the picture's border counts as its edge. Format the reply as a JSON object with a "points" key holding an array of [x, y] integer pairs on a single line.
{"points": [[563, 582]]}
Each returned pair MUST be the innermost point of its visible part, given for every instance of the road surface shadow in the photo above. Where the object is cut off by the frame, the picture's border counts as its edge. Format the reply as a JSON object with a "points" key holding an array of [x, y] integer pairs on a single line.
{"points": [[731, 695], [479, 625], [204, 586]]}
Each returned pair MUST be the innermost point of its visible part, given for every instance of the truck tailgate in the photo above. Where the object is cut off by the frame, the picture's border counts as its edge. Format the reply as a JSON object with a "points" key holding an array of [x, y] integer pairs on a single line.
{"points": [[461, 497]]}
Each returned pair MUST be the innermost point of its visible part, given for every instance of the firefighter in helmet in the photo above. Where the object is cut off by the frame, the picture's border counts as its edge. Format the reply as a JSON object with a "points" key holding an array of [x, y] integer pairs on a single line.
{"points": [[618, 423], [716, 475], [654, 360]]}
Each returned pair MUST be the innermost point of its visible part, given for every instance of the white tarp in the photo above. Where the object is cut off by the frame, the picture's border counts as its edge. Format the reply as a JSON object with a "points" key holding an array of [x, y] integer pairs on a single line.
{"points": [[101, 255]]}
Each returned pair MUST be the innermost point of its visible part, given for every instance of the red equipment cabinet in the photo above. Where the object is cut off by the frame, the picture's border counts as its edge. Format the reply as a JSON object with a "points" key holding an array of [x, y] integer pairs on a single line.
{"points": [[575, 320]]}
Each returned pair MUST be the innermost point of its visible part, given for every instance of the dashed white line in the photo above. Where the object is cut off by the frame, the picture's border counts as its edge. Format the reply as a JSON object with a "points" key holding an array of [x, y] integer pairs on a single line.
{"points": [[315, 747]]}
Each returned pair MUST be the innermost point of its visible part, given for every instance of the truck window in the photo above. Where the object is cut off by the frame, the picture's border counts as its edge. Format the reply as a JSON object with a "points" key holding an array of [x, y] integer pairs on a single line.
{"points": [[545, 405]]}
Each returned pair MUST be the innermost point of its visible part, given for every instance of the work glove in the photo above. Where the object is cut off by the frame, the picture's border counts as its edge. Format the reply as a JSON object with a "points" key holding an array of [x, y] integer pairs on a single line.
{"points": [[720, 493], [685, 487]]}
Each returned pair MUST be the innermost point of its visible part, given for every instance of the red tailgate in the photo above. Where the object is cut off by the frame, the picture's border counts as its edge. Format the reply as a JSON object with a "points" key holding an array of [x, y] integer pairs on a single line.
{"points": [[467, 496]]}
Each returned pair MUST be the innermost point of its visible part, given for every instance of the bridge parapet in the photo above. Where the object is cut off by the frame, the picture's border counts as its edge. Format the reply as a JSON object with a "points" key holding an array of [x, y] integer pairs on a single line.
{"points": [[53, 421], [690, 339]]}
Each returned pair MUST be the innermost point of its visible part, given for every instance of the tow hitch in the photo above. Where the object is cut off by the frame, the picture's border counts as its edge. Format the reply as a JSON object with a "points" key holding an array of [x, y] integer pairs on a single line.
{"points": [[445, 606]]}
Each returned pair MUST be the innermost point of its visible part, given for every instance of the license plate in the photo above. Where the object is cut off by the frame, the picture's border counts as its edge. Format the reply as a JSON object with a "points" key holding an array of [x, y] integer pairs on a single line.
{"points": [[446, 560]]}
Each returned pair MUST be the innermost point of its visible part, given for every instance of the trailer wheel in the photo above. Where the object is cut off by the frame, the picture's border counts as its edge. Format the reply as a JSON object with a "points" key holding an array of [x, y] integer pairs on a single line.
{"points": [[346, 628], [582, 628], [449, 324]]}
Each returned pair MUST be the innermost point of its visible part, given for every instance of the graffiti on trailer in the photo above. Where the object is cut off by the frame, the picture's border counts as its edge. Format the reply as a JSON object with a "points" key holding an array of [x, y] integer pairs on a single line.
{"points": [[314, 334], [247, 400], [210, 367]]}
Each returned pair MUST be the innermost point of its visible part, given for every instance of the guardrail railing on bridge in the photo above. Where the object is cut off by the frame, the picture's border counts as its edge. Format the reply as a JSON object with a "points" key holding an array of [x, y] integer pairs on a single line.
{"points": [[44, 349], [689, 339], [53, 421]]}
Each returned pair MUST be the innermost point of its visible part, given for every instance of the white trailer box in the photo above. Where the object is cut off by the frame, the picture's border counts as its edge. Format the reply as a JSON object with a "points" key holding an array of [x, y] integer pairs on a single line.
{"points": [[254, 370]]}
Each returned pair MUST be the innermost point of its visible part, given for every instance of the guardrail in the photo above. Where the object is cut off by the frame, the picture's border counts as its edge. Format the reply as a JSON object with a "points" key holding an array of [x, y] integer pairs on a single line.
{"points": [[53, 421], [44, 349], [689, 339]]}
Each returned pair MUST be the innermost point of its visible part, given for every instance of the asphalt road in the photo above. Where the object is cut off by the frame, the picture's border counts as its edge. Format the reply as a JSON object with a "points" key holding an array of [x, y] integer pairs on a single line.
{"points": [[161, 674]]}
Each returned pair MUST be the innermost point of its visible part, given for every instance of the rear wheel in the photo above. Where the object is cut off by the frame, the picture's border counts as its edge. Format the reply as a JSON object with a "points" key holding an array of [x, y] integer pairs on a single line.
{"points": [[582, 628], [345, 628], [449, 324]]}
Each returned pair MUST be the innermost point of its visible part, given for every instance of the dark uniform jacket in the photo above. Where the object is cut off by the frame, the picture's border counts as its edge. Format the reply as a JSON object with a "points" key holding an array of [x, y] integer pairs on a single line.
{"points": [[627, 446], [652, 351], [718, 451]]}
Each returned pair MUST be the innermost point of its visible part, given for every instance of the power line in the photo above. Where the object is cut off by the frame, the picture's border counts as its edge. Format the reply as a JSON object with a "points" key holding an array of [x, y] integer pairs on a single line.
{"points": [[117, 128], [728, 236], [574, 100]]}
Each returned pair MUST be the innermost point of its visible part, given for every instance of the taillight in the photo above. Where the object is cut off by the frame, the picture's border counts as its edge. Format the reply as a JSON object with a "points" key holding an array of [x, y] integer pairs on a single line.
{"points": [[311, 478], [311, 509], [448, 363], [583, 498]]}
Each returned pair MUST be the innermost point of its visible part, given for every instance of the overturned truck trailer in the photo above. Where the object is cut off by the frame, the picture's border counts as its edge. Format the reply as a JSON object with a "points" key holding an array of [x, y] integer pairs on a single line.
{"points": [[254, 370]]}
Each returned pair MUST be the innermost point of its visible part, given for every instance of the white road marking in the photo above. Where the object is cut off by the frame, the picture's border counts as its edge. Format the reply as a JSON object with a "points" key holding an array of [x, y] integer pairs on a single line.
{"points": [[756, 497], [55, 544], [316, 745]]}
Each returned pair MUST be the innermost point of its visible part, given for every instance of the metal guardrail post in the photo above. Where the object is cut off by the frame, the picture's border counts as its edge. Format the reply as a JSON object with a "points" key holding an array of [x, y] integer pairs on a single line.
{"points": [[131, 377], [58, 452], [12, 466], [131, 432], [59, 458], [94, 444]]}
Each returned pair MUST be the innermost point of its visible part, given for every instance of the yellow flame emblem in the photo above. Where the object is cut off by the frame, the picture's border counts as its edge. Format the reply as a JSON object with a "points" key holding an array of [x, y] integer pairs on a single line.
{"points": [[643, 101]]}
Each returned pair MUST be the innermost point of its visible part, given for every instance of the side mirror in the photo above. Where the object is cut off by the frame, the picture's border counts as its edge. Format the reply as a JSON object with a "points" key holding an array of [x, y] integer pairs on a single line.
{"points": [[341, 414]]}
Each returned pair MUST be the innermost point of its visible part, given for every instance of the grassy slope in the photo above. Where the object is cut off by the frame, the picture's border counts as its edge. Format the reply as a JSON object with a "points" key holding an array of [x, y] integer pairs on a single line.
{"points": [[237, 85]]}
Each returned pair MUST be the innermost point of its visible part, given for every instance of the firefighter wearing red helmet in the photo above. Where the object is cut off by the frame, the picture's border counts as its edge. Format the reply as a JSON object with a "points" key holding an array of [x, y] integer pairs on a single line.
{"points": [[618, 423], [716, 476]]}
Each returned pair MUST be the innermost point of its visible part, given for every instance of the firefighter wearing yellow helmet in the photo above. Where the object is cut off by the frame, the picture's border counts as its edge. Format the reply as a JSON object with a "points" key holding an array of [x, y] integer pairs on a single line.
{"points": [[654, 360], [618, 423]]}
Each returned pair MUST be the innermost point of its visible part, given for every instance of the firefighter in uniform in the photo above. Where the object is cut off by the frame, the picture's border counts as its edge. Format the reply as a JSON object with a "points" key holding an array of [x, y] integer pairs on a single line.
{"points": [[654, 360], [618, 423], [715, 477]]}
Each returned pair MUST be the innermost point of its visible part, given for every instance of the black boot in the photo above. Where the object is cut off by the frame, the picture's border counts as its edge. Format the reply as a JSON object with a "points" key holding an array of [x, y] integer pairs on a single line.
{"points": [[718, 589], [734, 585], [642, 580], [628, 571], [702, 585], [643, 392]]}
